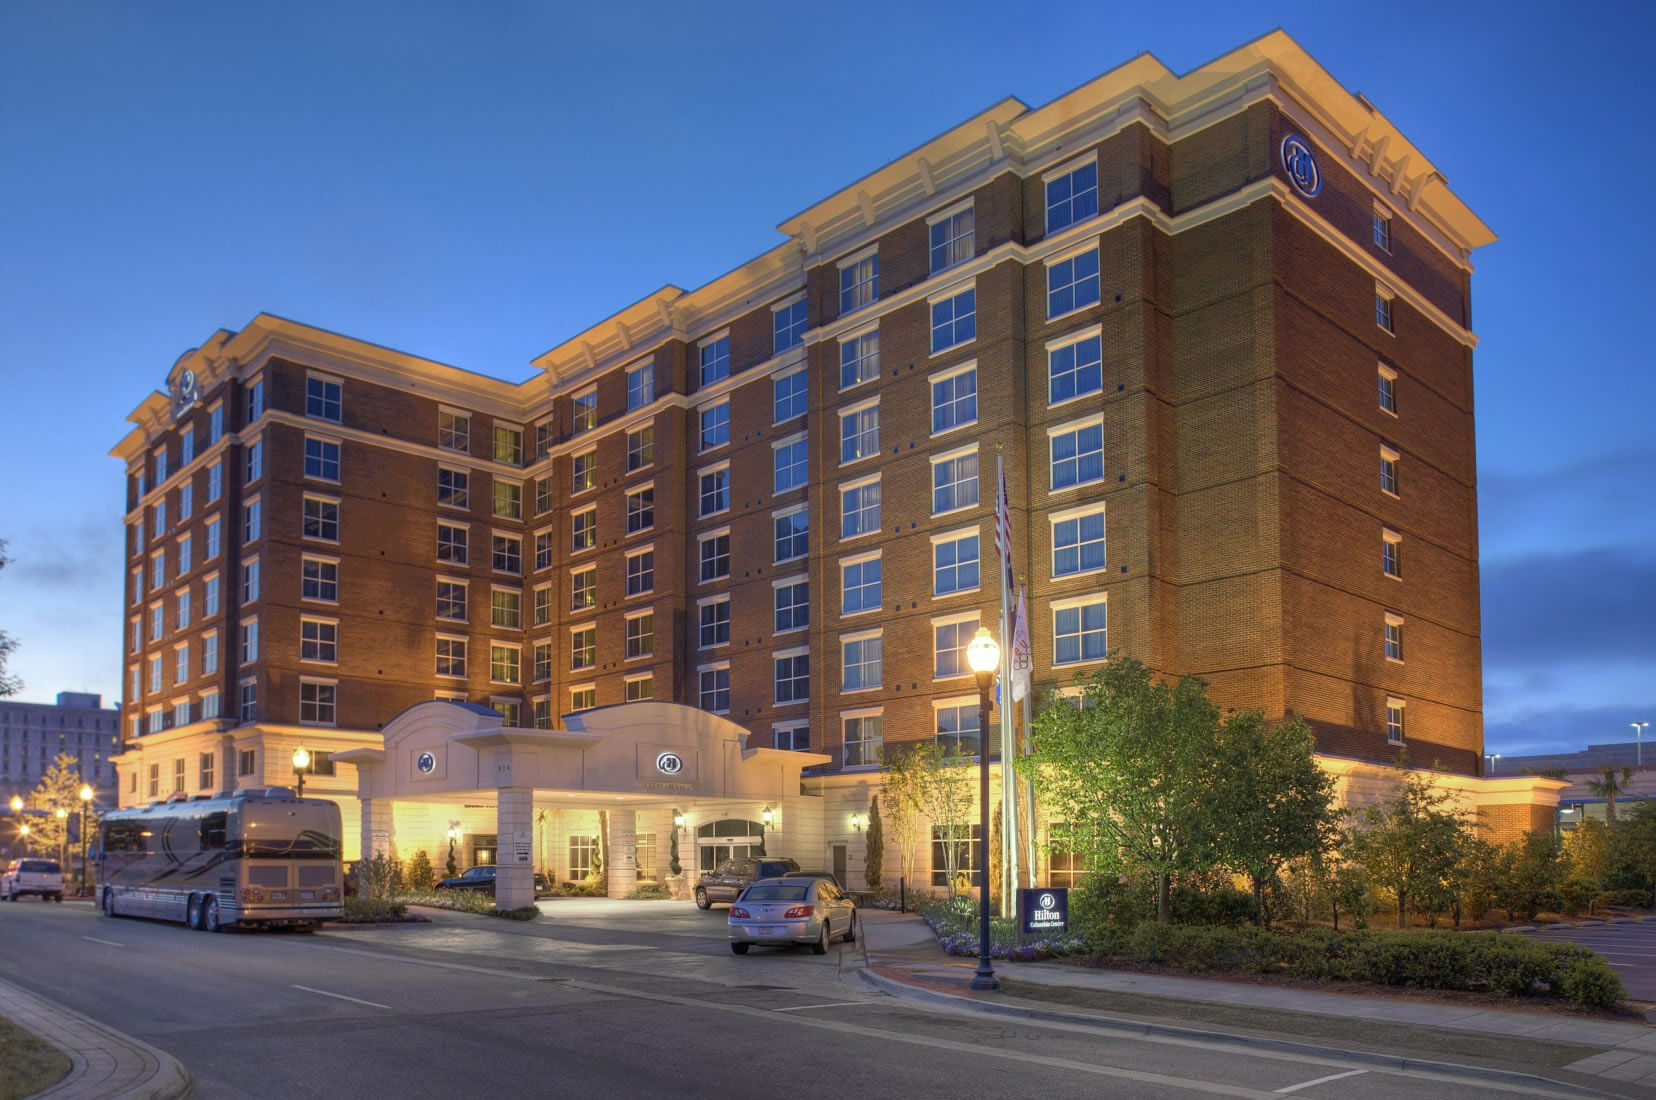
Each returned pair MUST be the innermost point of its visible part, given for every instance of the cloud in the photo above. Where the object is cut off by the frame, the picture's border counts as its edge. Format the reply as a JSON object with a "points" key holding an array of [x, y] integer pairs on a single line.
{"points": [[1603, 500], [84, 557], [1573, 607], [1567, 728]]}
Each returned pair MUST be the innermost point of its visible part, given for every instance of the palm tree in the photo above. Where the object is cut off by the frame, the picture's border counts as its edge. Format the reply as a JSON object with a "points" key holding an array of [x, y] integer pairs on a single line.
{"points": [[1611, 783]]}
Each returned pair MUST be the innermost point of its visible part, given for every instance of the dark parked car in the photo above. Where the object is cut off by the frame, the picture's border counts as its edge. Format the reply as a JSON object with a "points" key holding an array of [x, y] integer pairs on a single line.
{"points": [[482, 879], [726, 881]]}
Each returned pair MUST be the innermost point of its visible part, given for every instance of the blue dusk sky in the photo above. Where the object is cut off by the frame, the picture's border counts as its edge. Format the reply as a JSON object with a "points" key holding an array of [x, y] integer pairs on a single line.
{"points": [[475, 183]]}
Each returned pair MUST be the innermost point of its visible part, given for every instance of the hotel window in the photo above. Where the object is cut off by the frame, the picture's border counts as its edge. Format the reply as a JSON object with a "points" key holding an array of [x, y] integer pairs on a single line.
{"points": [[546, 495], [506, 553], [250, 581], [715, 490], [178, 766], [790, 395], [861, 666], [583, 588], [1077, 454], [318, 641], [160, 466], [586, 411], [714, 688], [451, 600], [215, 424], [583, 471], [1388, 389], [181, 664], [255, 461], [209, 653], [155, 672], [1065, 865], [792, 603], [955, 725], [543, 549], [640, 573], [1078, 542], [1394, 637], [791, 737], [1074, 368], [715, 425], [954, 399], [714, 626], [860, 508], [155, 769], [136, 641], [186, 446], [640, 386], [583, 647], [1383, 307], [158, 569], [255, 400], [541, 662], [215, 481], [451, 656], [503, 663], [1388, 470], [859, 281], [951, 238], [1394, 721], [210, 596], [791, 534], [322, 398], [510, 711], [453, 544], [715, 361], [1080, 630], [583, 529], [582, 697], [249, 641], [640, 447], [453, 487], [640, 509], [1071, 196], [158, 525], [715, 556], [186, 501], [1382, 230], [860, 584], [791, 676], [506, 608], [247, 762], [1072, 283], [640, 635], [251, 514], [788, 326], [453, 430], [955, 481], [954, 320], [541, 613], [955, 562], [209, 705], [184, 545], [508, 499], [1391, 553], [321, 519], [859, 358], [790, 463], [860, 431], [640, 687], [949, 638], [863, 739], [317, 703], [508, 445]]}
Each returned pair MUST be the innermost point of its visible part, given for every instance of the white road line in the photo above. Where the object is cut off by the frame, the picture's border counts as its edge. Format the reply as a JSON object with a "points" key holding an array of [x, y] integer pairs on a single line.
{"points": [[1321, 1080], [342, 997], [111, 943], [834, 1004]]}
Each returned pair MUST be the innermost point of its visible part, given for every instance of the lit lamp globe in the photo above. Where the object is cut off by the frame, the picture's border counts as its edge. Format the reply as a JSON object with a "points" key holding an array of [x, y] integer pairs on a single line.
{"points": [[17, 804], [61, 813], [23, 829], [86, 792], [301, 759], [983, 653]]}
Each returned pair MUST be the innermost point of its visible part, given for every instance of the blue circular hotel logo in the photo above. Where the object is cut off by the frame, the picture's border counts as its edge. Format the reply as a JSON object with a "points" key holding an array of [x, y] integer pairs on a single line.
{"points": [[426, 762], [1301, 165], [669, 763]]}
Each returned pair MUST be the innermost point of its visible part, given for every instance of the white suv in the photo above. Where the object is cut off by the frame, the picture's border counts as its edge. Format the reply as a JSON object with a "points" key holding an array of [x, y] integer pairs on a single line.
{"points": [[42, 877]]}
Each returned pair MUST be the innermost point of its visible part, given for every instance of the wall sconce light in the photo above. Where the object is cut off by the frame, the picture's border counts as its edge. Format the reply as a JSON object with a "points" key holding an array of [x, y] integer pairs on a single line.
{"points": [[768, 816], [858, 821], [678, 821]]}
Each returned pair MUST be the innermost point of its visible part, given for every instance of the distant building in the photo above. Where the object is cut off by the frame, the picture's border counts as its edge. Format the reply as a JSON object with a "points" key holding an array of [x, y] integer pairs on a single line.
{"points": [[1577, 802], [32, 735]]}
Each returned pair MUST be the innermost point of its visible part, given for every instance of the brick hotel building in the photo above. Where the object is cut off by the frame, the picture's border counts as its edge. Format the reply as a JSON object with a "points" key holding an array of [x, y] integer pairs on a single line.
{"points": [[1218, 324]]}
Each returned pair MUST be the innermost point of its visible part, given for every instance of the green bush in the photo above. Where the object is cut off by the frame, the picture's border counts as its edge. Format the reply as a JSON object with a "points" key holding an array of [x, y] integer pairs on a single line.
{"points": [[587, 889], [1102, 901], [468, 901], [421, 875], [374, 911], [650, 891]]}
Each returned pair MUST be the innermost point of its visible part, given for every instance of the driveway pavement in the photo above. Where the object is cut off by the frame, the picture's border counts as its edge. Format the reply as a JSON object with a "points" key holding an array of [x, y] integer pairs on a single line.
{"points": [[1630, 949]]}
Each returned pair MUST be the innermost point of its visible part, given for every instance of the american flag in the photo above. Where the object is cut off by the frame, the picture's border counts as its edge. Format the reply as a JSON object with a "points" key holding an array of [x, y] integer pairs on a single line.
{"points": [[1003, 525]]}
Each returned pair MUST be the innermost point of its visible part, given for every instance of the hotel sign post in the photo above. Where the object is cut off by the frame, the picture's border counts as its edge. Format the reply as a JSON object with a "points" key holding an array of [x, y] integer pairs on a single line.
{"points": [[1043, 911]]}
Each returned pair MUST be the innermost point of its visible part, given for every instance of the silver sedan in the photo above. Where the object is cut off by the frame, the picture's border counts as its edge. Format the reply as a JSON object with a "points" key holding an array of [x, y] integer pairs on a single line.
{"points": [[787, 911]]}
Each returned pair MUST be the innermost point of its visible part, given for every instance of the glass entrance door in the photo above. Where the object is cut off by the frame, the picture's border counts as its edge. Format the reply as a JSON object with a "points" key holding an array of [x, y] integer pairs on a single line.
{"points": [[729, 838]]}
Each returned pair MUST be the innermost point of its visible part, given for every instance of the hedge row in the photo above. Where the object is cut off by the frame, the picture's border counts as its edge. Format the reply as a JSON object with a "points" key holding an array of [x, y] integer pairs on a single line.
{"points": [[469, 901]]}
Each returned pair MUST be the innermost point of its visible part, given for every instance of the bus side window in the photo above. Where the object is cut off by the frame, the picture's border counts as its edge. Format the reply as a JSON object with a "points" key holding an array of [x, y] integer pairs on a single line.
{"points": [[213, 832]]}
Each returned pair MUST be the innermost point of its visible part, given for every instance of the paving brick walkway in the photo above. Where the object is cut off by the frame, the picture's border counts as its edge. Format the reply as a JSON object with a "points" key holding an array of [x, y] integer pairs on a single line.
{"points": [[103, 1063]]}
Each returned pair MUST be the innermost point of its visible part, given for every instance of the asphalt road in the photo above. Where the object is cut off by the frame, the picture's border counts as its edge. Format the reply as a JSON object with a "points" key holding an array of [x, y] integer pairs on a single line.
{"points": [[605, 1001], [1630, 949]]}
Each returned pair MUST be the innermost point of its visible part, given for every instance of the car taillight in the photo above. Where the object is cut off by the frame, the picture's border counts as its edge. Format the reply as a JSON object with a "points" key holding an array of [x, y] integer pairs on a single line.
{"points": [[738, 911], [798, 911]]}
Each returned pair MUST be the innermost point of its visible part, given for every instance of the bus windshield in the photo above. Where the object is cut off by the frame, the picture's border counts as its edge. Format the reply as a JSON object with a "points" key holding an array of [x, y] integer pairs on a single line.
{"points": [[278, 831]]}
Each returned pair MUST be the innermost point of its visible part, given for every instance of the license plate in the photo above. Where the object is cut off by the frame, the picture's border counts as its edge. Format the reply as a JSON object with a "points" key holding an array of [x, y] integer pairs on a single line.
{"points": [[307, 895], [767, 930]]}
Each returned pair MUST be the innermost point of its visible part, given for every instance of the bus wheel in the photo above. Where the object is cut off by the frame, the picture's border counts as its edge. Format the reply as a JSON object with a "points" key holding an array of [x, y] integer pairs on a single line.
{"points": [[210, 916], [192, 913]]}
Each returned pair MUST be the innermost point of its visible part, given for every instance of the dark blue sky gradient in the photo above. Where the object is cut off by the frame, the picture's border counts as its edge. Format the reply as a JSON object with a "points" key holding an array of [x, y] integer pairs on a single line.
{"points": [[476, 183]]}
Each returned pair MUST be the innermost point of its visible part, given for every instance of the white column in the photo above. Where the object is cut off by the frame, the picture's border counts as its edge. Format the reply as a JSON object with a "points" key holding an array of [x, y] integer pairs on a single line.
{"points": [[379, 828], [622, 871], [515, 822]]}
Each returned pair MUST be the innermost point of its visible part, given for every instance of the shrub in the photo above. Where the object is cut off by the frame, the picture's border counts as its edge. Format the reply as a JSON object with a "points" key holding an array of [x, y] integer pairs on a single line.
{"points": [[468, 901], [587, 889], [374, 911], [421, 876], [650, 891]]}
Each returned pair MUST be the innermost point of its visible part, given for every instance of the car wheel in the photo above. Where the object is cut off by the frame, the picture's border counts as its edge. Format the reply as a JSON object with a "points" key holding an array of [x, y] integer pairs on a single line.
{"points": [[210, 917], [820, 947], [739, 948], [851, 933], [701, 899]]}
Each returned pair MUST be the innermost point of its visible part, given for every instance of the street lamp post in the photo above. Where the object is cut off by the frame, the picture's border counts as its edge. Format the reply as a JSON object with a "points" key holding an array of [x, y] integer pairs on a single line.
{"points": [[301, 761], [1638, 742], [86, 845], [983, 656]]}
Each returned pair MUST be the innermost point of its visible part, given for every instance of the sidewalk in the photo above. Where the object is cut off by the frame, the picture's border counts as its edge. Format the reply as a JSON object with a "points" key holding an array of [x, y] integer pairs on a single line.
{"points": [[903, 958], [103, 1063]]}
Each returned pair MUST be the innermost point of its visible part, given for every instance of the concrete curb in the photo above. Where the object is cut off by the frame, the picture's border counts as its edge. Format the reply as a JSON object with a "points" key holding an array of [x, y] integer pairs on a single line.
{"points": [[104, 1064], [1130, 1028], [1518, 928]]}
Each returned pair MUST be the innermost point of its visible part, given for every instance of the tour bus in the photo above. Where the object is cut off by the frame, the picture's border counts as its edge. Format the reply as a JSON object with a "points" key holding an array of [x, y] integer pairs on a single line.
{"points": [[260, 857]]}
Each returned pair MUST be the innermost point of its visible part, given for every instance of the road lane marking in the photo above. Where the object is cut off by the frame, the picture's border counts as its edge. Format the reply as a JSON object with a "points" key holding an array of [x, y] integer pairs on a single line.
{"points": [[1321, 1080], [834, 1004], [111, 943], [342, 997]]}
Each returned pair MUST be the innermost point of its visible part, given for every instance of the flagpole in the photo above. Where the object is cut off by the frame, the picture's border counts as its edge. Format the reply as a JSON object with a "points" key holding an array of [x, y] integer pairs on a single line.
{"points": [[1009, 819]]}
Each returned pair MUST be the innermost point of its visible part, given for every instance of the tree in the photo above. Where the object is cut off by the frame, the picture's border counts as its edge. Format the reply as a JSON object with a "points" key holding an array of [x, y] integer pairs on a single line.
{"points": [[874, 851], [902, 812], [674, 867], [938, 785], [58, 789], [1551, 771], [9, 684], [451, 867], [1587, 847], [421, 876], [996, 866], [1610, 784], [1410, 843], [1275, 803], [1348, 891], [1132, 772], [1538, 870]]}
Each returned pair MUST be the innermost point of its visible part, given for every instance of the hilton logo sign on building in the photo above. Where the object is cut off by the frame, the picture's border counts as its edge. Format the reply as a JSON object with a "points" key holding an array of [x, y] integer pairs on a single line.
{"points": [[1301, 165]]}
